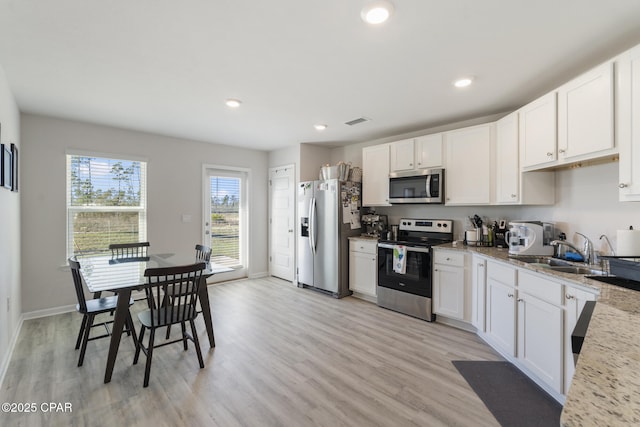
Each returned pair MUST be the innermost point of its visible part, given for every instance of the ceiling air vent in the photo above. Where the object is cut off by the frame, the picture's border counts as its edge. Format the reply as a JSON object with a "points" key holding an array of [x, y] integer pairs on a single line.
{"points": [[357, 121]]}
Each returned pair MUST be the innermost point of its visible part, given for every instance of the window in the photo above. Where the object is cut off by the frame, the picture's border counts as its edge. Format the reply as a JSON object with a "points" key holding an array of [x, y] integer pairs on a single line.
{"points": [[106, 203]]}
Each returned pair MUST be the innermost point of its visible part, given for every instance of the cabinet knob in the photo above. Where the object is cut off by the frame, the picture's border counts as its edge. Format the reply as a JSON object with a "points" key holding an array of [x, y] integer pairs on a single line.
{"points": [[569, 296], [562, 150], [549, 154], [410, 164], [622, 185], [448, 259], [520, 300], [510, 295], [513, 196]]}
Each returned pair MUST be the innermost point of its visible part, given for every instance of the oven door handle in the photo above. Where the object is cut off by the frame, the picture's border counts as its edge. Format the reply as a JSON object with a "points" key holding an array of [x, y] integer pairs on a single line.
{"points": [[409, 248]]}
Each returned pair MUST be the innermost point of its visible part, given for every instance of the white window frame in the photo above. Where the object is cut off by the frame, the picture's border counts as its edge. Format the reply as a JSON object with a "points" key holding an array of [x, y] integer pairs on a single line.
{"points": [[142, 209]]}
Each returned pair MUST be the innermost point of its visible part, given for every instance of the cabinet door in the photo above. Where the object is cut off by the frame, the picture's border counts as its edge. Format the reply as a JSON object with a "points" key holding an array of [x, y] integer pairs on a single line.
{"points": [[428, 151], [401, 155], [507, 160], [448, 291], [362, 273], [469, 163], [585, 114], [628, 124], [375, 175], [478, 292], [501, 316], [575, 300], [540, 339], [537, 128]]}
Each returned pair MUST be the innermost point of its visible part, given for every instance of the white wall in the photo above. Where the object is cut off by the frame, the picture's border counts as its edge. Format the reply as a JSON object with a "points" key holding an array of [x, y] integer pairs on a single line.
{"points": [[174, 188], [9, 232]]}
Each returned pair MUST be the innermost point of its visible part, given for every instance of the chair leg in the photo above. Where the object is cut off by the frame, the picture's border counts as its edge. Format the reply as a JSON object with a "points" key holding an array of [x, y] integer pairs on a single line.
{"points": [[168, 331], [85, 339], [132, 329], [84, 325], [184, 336], [147, 369], [139, 345], [196, 342]]}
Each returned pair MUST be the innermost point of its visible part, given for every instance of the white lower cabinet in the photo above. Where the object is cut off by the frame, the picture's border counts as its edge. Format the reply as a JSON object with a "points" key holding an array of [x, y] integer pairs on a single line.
{"points": [[363, 268], [574, 301], [501, 307], [540, 330], [478, 291], [450, 287]]}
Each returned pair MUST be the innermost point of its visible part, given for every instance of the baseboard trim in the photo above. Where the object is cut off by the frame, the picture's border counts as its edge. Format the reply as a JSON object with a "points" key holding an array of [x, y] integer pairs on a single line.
{"points": [[48, 312], [258, 275], [12, 345]]}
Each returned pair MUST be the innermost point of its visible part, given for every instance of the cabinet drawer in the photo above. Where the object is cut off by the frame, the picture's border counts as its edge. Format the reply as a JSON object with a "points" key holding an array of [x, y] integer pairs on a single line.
{"points": [[546, 290], [455, 259], [367, 246], [502, 273]]}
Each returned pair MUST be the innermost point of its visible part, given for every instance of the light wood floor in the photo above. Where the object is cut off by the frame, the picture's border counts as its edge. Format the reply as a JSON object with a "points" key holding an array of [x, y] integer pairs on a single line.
{"points": [[284, 356]]}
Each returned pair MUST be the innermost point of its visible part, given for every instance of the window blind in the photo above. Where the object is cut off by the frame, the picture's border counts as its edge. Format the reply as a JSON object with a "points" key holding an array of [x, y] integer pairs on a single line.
{"points": [[106, 203], [225, 220]]}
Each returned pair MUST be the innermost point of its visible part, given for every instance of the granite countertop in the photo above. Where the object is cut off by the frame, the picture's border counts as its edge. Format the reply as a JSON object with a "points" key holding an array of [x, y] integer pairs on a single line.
{"points": [[605, 389]]}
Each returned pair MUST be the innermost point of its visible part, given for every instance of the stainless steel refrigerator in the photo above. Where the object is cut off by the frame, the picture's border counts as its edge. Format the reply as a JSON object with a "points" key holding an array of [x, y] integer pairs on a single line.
{"points": [[328, 214]]}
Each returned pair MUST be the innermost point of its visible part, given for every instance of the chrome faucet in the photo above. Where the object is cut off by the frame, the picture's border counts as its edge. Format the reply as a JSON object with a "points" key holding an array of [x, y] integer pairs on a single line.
{"points": [[587, 254], [613, 252]]}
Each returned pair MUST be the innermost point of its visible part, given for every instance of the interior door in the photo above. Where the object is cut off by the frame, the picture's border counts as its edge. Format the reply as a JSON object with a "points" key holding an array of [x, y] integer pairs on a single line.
{"points": [[282, 222]]}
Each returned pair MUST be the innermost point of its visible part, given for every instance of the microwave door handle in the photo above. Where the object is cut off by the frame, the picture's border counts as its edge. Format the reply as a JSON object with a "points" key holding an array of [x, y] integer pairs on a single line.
{"points": [[429, 186]]}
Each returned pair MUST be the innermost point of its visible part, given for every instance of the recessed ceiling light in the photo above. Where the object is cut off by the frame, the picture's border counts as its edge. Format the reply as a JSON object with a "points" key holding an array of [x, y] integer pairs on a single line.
{"points": [[320, 127], [377, 12], [464, 82], [233, 103]]}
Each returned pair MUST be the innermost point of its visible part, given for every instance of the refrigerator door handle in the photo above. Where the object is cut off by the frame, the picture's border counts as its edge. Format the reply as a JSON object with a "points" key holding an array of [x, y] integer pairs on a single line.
{"points": [[312, 225]]}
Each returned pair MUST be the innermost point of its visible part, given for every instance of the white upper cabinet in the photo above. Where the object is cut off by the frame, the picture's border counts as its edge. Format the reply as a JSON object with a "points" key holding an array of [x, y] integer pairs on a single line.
{"points": [[375, 175], [428, 151], [585, 115], [401, 155], [514, 187], [537, 129], [423, 152], [507, 161], [468, 177], [628, 124]]}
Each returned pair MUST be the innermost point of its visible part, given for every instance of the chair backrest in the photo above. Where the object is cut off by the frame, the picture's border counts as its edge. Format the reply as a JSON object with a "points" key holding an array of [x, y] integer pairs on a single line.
{"points": [[203, 253], [129, 250], [77, 283], [172, 293]]}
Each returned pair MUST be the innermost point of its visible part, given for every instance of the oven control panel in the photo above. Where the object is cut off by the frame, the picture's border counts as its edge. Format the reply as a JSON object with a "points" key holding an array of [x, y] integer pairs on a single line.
{"points": [[426, 225]]}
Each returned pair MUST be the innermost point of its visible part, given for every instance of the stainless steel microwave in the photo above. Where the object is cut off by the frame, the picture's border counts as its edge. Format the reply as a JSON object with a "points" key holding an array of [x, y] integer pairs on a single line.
{"points": [[417, 186]]}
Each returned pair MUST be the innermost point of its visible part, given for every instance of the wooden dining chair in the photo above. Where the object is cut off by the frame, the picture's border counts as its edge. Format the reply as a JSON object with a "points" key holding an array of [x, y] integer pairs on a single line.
{"points": [[90, 309], [135, 250], [182, 283], [203, 253]]}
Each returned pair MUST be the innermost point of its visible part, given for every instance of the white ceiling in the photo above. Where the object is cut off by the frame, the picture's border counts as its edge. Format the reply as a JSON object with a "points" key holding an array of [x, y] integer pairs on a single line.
{"points": [[166, 67]]}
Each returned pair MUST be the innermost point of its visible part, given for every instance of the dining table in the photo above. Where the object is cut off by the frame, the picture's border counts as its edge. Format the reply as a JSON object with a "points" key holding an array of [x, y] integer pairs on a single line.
{"points": [[125, 275]]}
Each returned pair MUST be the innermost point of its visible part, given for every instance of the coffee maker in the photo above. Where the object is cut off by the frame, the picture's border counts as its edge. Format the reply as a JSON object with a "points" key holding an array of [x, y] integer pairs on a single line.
{"points": [[374, 224], [530, 238]]}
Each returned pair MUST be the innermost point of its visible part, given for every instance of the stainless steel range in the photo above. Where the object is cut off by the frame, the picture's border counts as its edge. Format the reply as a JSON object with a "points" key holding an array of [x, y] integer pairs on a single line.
{"points": [[405, 285]]}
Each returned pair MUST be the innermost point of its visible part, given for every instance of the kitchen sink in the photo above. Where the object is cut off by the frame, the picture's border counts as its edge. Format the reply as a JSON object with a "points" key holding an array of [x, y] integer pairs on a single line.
{"points": [[547, 261], [575, 270], [558, 265]]}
